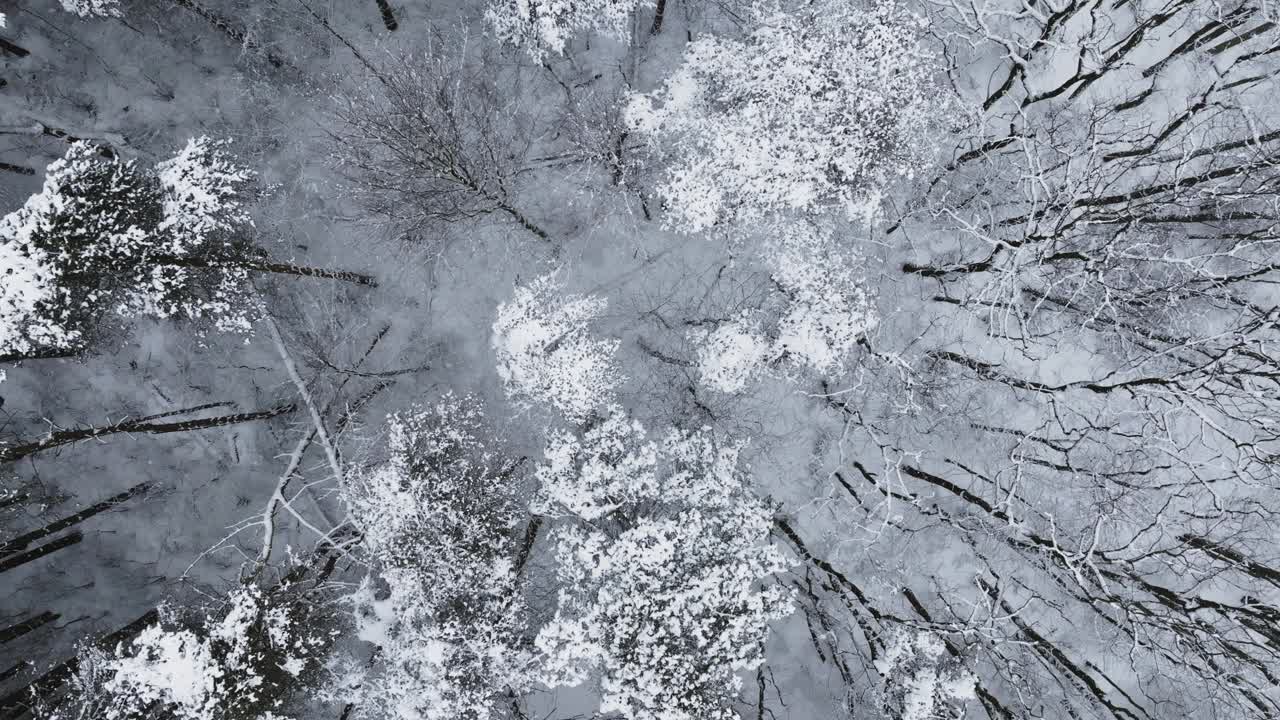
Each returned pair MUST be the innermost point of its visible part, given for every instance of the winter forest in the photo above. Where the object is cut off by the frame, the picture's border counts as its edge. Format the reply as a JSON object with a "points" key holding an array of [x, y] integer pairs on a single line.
{"points": [[639, 360]]}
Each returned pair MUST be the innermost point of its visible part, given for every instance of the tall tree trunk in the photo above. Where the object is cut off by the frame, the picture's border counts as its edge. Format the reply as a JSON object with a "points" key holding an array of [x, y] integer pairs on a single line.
{"points": [[13, 632], [102, 141], [1232, 557], [658, 15], [185, 411], [67, 437], [21, 542], [526, 546], [619, 169], [13, 49], [21, 559], [16, 704], [306, 271], [388, 19], [262, 265]]}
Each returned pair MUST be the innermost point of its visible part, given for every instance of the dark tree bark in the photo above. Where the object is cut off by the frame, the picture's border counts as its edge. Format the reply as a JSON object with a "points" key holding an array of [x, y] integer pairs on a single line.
{"points": [[67, 437], [185, 411], [619, 169], [658, 15], [16, 168], [526, 546], [388, 18], [21, 542], [271, 267], [526, 223], [324, 559], [305, 271], [13, 632], [21, 559], [1232, 557], [12, 49]]}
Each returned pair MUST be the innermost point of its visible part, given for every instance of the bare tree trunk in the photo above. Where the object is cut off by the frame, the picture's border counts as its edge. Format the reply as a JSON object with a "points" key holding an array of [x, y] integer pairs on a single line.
{"points": [[67, 437], [18, 703], [305, 271], [1231, 557], [530, 537], [12, 49], [21, 542], [21, 559], [388, 19], [658, 15], [16, 168], [359, 55], [271, 267], [13, 632], [619, 169]]}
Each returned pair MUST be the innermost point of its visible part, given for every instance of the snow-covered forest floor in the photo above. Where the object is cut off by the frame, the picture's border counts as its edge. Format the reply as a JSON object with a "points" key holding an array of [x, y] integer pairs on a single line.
{"points": [[603, 358]]}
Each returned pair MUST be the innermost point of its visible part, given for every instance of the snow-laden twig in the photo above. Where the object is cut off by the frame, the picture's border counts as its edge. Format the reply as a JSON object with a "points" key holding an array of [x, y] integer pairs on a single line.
{"points": [[317, 421], [268, 513]]}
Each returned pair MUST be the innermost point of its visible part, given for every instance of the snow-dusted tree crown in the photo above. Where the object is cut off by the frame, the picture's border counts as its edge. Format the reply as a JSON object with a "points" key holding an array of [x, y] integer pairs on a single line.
{"points": [[437, 520], [104, 237], [816, 107], [661, 557], [238, 661], [820, 311], [547, 26], [545, 353], [660, 546]]}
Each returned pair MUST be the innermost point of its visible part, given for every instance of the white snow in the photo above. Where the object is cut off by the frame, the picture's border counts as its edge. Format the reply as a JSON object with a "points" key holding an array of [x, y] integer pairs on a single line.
{"points": [[732, 355], [436, 522], [646, 607], [544, 354], [547, 26], [815, 108], [93, 8]]}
